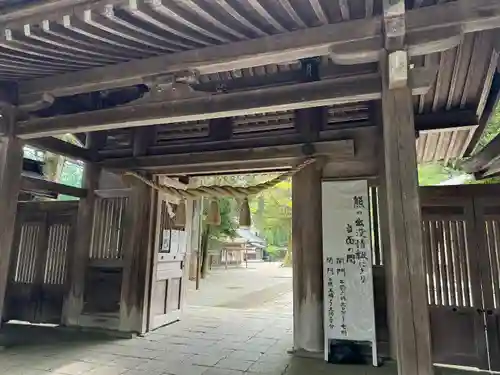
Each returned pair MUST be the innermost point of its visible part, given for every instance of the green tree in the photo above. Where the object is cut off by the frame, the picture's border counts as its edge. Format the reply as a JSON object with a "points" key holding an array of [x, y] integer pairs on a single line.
{"points": [[272, 210], [491, 130]]}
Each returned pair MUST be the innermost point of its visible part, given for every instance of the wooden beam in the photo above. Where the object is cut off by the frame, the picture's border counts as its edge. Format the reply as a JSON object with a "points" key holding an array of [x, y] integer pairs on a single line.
{"points": [[489, 108], [241, 158], [465, 14], [483, 158], [31, 184], [60, 147], [282, 78], [437, 121], [303, 95], [492, 170], [410, 311], [11, 160]]}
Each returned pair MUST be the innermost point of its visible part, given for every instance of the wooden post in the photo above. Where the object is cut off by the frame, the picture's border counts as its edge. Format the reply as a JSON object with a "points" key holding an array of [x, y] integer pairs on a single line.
{"points": [[11, 161], [307, 261], [385, 243], [136, 253], [78, 258], [412, 331]]}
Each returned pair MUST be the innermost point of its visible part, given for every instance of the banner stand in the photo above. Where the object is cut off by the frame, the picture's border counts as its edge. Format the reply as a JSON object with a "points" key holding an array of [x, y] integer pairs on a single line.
{"points": [[349, 312]]}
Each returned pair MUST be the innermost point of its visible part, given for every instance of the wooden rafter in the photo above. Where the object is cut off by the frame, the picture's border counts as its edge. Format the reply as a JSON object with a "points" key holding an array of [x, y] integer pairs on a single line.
{"points": [[467, 16]]}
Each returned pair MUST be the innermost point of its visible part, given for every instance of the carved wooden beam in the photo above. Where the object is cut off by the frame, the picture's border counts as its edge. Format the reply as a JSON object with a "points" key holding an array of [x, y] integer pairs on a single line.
{"points": [[290, 97]]}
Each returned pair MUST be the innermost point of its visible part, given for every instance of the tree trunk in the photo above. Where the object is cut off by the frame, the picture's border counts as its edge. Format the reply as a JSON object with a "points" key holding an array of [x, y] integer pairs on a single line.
{"points": [[204, 251]]}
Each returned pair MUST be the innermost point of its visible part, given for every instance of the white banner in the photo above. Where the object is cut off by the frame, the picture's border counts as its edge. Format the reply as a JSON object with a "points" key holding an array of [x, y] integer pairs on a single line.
{"points": [[347, 258]]}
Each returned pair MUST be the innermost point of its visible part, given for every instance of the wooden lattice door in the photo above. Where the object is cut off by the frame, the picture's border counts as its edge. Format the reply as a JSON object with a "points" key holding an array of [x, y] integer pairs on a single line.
{"points": [[487, 212], [38, 267], [452, 260]]}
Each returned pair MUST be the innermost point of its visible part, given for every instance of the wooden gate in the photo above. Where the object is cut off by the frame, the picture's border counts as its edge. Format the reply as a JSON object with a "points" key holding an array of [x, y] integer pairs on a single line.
{"points": [[168, 266], [461, 232], [38, 267]]}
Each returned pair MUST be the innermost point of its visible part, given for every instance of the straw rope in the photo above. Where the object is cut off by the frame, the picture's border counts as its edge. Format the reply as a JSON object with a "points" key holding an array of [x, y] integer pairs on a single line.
{"points": [[219, 191]]}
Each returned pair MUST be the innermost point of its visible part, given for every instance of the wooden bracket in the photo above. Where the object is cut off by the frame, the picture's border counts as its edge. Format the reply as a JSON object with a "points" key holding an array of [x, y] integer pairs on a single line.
{"points": [[363, 51], [417, 43], [431, 41], [173, 86], [45, 101]]}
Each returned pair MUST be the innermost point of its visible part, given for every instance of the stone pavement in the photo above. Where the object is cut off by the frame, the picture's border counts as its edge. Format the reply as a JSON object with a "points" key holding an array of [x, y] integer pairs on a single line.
{"points": [[251, 338], [257, 288]]}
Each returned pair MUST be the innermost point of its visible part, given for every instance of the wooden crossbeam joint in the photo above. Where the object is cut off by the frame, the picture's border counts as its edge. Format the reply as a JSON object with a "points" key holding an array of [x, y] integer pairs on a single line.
{"points": [[310, 69], [221, 129]]}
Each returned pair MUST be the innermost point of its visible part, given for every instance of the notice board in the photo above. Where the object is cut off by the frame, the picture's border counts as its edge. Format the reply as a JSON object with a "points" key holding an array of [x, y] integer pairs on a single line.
{"points": [[349, 313]]}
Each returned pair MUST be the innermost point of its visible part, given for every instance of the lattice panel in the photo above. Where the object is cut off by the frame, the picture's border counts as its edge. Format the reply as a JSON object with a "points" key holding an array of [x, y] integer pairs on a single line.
{"points": [[57, 251], [26, 257], [108, 228], [447, 263], [492, 234]]}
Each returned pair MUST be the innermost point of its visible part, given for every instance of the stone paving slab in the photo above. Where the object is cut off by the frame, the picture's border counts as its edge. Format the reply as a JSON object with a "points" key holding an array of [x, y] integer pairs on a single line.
{"points": [[252, 339]]}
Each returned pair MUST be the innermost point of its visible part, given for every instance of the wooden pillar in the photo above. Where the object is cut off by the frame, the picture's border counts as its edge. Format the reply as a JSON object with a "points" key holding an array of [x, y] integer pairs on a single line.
{"points": [[409, 297], [11, 161], [307, 261], [137, 252], [78, 258]]}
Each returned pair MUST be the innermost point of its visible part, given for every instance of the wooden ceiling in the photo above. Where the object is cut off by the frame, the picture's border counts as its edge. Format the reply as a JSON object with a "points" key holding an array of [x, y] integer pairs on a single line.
{"points": [[111, 31]]}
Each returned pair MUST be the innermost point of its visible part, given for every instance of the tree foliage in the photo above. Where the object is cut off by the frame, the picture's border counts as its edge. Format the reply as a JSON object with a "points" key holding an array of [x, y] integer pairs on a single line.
{"points": [[437, 172], [492, 129], [271, 210], [272, 213]]}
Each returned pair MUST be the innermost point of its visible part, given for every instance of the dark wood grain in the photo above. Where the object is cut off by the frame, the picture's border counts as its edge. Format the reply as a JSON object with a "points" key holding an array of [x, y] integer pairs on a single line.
{"points": [[406, 249], [11, 159]]}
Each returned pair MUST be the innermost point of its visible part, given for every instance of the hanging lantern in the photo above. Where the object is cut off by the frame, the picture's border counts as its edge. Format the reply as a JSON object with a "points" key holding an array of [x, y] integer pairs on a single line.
{"points": [[213, 217], [180, 214], [245, 216]]}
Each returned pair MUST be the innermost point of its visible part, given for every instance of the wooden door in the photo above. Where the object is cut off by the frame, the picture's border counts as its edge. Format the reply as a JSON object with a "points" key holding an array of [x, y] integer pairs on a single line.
{"points": [[168, 274], [452, 263], [487, 210], [38, 268]]}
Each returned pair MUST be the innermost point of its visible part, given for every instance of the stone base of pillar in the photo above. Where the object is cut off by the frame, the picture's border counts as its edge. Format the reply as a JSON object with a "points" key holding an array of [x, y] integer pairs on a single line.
{"points": [[301, 353]]}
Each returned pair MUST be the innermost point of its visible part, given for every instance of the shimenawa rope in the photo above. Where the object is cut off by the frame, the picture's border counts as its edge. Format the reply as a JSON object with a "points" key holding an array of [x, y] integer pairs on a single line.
{"points": [[216, 191]]}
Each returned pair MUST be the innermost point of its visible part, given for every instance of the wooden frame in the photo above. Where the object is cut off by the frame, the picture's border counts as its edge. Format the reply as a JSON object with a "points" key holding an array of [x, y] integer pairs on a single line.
{"points": [[302, 95], [31, 184]]}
